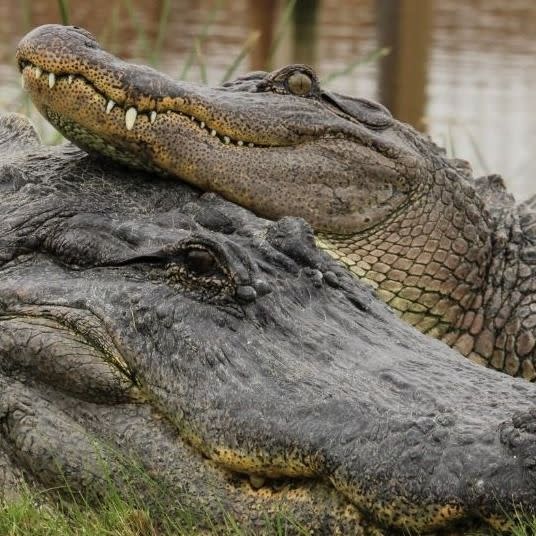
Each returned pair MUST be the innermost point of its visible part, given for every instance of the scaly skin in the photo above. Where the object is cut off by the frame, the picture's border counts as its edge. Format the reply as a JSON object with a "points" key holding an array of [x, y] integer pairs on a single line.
{"points": [[141, 318], [453, 256]]}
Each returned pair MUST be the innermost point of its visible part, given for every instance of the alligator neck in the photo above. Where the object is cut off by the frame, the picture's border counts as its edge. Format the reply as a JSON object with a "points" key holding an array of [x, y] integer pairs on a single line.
{"points": [[429, 262]]}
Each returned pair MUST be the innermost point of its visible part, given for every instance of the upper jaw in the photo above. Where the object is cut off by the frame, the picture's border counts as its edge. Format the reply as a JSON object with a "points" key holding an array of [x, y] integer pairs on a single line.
{"points": [[59, 53], [191, 103]]}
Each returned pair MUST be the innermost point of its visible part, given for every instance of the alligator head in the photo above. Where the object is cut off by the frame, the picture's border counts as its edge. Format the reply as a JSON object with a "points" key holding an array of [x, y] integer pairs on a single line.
{"points": [[137, 313], [244, 140]]}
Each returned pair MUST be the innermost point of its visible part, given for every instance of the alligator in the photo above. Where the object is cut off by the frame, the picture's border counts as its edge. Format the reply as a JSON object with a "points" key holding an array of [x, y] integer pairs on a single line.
{"points": [[237, 363], [453, 255]]}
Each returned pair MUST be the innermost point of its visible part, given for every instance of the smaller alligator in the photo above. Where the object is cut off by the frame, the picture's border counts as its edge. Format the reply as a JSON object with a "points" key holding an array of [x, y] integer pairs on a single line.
{"points": [[454, 256]]}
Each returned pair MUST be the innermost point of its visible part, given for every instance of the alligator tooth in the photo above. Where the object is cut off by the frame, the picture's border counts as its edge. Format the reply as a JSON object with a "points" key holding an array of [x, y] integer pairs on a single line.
{"points": [[257, 481], [251, 144], [226, 139], [192, 118], [240, 143], [110, 106], [70, 78], [130, 118], [202, 124], [22, 84], [213, 132], [51, 80], [153, 116], [38, 72]]}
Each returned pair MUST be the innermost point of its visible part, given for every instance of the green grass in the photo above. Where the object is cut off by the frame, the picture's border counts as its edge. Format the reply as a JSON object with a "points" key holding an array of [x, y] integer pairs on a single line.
{"points": [[525, 528], [34, 514], [24, 517], [113, 516], [129, 502]]}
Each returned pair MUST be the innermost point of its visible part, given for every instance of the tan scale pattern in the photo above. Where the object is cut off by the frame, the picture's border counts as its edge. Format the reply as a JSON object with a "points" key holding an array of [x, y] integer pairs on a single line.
{"points": [[402, 513], [439, 266]]}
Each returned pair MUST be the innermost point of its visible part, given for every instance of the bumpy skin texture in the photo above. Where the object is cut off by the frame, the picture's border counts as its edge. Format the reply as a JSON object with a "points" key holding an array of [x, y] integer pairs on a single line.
{"points": [[454, 256], [139, 317]]}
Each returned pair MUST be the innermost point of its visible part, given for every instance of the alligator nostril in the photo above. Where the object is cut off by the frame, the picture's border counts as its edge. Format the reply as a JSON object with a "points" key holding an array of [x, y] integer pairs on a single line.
{"points": [[246, 293]]}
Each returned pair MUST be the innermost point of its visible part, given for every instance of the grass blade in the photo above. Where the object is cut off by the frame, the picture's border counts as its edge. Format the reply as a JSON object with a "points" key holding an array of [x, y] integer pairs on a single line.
{"points": [[108, 34], [201, 62], [250, 42], [141, 36], [281, 29], [450, 147], [162, 30], [476, 149], [369, 58], [63, 6], [26, 15], [200, 39]]}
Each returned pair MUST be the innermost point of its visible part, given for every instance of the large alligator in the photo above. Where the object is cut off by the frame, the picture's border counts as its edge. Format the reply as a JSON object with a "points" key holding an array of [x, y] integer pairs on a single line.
{"points": [[141, 319], [454, 256]]}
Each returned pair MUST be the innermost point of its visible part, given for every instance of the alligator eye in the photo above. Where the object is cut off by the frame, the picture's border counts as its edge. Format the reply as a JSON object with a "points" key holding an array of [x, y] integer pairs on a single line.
{"points": [[299, 83], [200, 262]]}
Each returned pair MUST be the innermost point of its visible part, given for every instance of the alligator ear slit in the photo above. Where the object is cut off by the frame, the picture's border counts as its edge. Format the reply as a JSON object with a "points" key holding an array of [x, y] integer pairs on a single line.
{"points": [[366, 111]]}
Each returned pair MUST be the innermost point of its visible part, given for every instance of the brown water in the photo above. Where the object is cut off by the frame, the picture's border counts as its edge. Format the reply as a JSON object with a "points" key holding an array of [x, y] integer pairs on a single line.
{"points": [[463, 69]]}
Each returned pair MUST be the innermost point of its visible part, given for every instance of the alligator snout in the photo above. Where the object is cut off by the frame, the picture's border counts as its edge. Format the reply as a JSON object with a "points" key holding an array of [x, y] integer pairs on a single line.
{"points": [[460, 478]]}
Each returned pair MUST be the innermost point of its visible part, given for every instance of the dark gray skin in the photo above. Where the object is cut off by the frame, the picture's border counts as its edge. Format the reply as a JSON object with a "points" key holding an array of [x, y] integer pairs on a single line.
{"points": [[177, 327]]}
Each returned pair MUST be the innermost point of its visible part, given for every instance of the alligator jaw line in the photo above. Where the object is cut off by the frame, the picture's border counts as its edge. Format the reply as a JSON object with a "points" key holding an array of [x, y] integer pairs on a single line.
{"points": [[131, 113]]}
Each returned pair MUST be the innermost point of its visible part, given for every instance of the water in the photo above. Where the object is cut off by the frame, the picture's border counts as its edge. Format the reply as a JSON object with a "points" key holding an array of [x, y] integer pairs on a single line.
{"points": [[464, 70]]}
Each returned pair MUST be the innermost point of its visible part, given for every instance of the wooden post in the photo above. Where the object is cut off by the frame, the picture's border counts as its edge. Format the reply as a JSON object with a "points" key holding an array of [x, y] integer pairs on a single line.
{"points": [[404, 26], [262, 17]]}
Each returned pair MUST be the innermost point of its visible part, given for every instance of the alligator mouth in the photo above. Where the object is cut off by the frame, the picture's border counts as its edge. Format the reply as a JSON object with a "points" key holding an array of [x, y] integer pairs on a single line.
{"points": [[127, 115], [242, 142], [46, 328]]}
